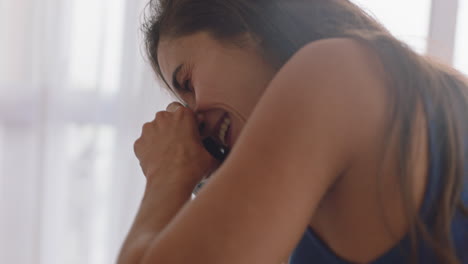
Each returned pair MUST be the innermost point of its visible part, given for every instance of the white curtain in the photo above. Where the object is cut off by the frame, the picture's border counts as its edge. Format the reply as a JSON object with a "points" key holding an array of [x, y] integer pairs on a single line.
{"points": [[74, 93]]}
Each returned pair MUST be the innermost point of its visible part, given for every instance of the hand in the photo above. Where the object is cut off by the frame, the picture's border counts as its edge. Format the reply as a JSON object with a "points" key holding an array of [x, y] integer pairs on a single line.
{"points": [[170, 150]]}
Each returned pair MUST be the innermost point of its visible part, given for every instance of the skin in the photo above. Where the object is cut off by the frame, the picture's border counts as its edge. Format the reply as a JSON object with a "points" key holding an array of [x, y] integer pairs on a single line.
{"points": [[223, 79], [329, 108]]}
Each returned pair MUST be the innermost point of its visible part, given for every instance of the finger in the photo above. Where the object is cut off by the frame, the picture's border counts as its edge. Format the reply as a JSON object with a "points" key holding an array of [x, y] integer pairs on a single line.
{"points": [[172, 107]]}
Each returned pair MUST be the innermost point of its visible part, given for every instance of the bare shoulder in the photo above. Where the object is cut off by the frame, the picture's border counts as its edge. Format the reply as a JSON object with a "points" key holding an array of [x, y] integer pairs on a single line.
{"points": [[335, 57], [335, 49], [336, 65], [320, 108], [338, 81]]}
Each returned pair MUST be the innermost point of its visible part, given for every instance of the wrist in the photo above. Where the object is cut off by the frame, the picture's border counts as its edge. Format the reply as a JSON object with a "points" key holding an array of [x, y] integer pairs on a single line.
{"points": [[165, 197], [180, 183], [157, 209]]}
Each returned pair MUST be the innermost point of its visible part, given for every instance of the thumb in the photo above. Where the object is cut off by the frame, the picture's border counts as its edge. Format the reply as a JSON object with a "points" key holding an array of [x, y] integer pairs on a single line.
{"points": [[172, 107]]}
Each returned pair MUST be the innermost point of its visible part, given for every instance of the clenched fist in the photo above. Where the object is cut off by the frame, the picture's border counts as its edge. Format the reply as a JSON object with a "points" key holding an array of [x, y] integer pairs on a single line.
{"points": [[170, 150]]}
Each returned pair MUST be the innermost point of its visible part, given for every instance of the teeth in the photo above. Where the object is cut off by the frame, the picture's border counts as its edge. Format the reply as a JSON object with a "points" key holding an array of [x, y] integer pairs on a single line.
{"points": [[224, 128]]}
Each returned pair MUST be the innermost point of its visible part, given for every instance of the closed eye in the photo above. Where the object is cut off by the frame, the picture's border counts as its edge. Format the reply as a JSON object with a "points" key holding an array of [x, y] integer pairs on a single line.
{"points": [[184, 91], [187, 86]]}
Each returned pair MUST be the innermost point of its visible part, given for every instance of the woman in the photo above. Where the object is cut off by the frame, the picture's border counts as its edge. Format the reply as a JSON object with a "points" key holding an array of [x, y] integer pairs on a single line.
{"points": [[347, 147]]}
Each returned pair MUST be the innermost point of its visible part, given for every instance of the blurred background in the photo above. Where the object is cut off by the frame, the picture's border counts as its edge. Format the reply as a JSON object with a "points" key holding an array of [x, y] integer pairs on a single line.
{"points": [[75, 90]]}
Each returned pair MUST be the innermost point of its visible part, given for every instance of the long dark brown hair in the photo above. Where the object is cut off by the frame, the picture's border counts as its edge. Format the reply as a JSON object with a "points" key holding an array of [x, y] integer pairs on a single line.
{"points": [[284, 26]]}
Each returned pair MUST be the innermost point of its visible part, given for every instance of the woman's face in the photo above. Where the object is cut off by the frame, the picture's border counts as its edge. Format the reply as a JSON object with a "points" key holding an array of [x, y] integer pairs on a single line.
{"points": [[215, 79]]}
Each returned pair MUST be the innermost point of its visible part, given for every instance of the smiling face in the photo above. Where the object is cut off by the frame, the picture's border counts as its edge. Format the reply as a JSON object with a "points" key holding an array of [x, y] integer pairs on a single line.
{"points": [[215, 79]]}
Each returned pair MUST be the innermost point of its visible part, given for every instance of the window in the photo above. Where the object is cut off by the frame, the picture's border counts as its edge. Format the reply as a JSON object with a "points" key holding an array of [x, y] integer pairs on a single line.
{"points": [[461, 44], [407, 20]]}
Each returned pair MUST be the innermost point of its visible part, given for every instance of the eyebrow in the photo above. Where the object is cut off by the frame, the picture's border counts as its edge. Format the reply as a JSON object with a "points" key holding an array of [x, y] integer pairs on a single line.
{"points": [[175, 83]]}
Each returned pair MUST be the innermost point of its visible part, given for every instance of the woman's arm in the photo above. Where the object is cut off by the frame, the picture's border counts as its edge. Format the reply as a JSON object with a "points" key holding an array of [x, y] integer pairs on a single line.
{"points": [[305, 132], [156, 210]]}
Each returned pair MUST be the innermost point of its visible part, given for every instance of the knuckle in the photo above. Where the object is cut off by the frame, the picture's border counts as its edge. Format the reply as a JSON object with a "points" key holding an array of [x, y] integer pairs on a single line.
{"points": [[136, 145], [161, 114], [147, 126]]}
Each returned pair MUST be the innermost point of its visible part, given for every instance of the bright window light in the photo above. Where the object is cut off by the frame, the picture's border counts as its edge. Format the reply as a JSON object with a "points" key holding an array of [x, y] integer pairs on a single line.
{"points": [[96, 45], [407, 20], [461, 51], [85, 39]]}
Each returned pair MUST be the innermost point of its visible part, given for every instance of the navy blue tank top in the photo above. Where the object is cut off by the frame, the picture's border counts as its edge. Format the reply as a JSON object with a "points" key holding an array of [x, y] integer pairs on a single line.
{"points": [[311, 249]]}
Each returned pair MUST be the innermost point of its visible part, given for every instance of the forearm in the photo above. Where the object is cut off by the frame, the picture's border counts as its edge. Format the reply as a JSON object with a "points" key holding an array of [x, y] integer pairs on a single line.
{"points": [[156, 210]]}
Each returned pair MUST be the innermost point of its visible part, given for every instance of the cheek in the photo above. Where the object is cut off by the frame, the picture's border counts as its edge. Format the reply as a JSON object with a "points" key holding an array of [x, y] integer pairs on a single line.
{"points": [[208, 84]]}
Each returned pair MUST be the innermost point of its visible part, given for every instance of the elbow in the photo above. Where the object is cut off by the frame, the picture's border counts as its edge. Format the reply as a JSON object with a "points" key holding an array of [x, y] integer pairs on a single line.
{"points": [[133, 253], [127, 256], [140, 256]]}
